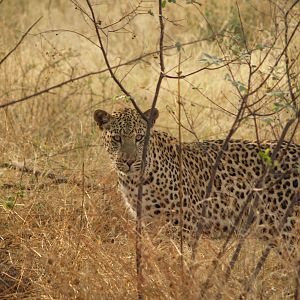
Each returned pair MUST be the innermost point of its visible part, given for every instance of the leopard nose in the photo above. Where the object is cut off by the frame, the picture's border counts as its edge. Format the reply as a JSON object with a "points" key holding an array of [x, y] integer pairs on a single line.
{"points": [[130, 162]]}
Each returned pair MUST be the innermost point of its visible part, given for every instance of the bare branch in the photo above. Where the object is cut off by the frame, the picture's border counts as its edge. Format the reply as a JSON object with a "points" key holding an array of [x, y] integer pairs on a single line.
{"points": [[276, 62], [161, 39], [58, 31], [20, 41], [180, 163], [112, 74], [287, 60], [61, 84], [258, 185], [143, 164], [207, 68]]}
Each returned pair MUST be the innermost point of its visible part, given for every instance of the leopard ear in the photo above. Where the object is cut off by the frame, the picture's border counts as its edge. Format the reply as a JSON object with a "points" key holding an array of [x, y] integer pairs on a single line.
{"points": [[102, 118], [147, 114]]}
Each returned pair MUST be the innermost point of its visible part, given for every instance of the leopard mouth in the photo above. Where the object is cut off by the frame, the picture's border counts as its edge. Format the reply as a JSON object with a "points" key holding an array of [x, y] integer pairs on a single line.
{"points": [[123, 167]]}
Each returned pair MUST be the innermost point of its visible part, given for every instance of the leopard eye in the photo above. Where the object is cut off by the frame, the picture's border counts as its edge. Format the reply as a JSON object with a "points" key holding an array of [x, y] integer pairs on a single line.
{"points": [[139, 137], [116, 138]]}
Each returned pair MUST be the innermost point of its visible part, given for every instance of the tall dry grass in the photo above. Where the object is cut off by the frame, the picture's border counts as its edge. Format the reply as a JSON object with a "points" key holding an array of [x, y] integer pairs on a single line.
{"points": [[75, 240]]}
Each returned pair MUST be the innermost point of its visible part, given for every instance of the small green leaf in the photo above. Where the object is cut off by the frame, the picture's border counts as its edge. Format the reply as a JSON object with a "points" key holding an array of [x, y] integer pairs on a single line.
{"points": [[278, 106], [265, 155], [227, 77], [238, 84], [262, 46], [268, 120], [9, 202], [210, 59], [163, 3], [127, 99], [279, 94], [178, 46]]}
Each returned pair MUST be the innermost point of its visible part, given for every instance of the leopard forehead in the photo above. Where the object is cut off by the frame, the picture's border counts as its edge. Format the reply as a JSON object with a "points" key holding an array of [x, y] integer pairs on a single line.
{"points": [[127, 121]]}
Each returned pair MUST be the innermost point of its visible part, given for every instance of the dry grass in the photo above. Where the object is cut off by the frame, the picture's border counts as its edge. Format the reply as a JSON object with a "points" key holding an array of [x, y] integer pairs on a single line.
{"points": [[75, 240]]}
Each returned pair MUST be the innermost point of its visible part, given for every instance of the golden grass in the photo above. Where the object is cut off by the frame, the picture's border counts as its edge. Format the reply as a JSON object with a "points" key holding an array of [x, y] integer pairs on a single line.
{"points": [[69, 241]]}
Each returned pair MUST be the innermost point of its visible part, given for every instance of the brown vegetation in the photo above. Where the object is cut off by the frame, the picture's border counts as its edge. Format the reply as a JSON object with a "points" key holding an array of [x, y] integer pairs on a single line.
{"points": [[64, 232]]}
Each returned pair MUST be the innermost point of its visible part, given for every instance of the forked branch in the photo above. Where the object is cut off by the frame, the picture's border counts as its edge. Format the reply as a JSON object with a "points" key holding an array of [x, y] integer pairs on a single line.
{"points": [[112, 74]]}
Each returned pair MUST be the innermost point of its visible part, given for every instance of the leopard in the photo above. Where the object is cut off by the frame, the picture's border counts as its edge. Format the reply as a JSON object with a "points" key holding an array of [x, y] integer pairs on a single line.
{"points": [[248, 186]]}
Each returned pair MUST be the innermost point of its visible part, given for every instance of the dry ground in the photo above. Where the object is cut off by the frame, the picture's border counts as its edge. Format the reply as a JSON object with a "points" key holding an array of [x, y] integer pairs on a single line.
{"points": [[74, 239]]}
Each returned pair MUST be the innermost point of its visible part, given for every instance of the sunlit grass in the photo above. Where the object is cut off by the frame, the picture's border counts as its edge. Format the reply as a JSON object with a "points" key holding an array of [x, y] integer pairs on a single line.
{"points": [[69, 241]]}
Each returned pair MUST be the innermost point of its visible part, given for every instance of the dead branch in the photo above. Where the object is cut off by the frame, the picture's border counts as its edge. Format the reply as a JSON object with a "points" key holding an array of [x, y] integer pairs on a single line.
{"points": [[58, 31], [56, 179]]}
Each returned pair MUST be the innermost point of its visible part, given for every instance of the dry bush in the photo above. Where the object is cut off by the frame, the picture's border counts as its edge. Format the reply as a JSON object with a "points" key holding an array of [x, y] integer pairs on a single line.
{"points": [[75, 240]]}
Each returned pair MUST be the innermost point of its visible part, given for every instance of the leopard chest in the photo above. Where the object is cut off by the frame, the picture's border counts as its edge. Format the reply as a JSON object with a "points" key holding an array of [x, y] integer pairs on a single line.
{"points": [[158, 193]]}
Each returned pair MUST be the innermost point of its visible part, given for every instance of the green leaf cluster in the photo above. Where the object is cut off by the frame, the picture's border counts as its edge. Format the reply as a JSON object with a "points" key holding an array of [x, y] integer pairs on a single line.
{"points": [[266, 156], [9, 202], [164, 2], [210, 59], [236, 83]]}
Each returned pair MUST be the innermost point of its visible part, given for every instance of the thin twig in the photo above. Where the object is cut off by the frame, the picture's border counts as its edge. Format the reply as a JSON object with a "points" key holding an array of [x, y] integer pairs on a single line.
{"points": [[206, 68], [112, 74], [180, 166], [266, 252], [287, 60], [258, 185], [20, 41], [140, 294], [261, 84], [61, 84]]}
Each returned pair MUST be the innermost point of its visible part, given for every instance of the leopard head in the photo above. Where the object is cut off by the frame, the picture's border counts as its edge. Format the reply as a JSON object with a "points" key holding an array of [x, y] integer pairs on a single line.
{"points": [[123, 133]]}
